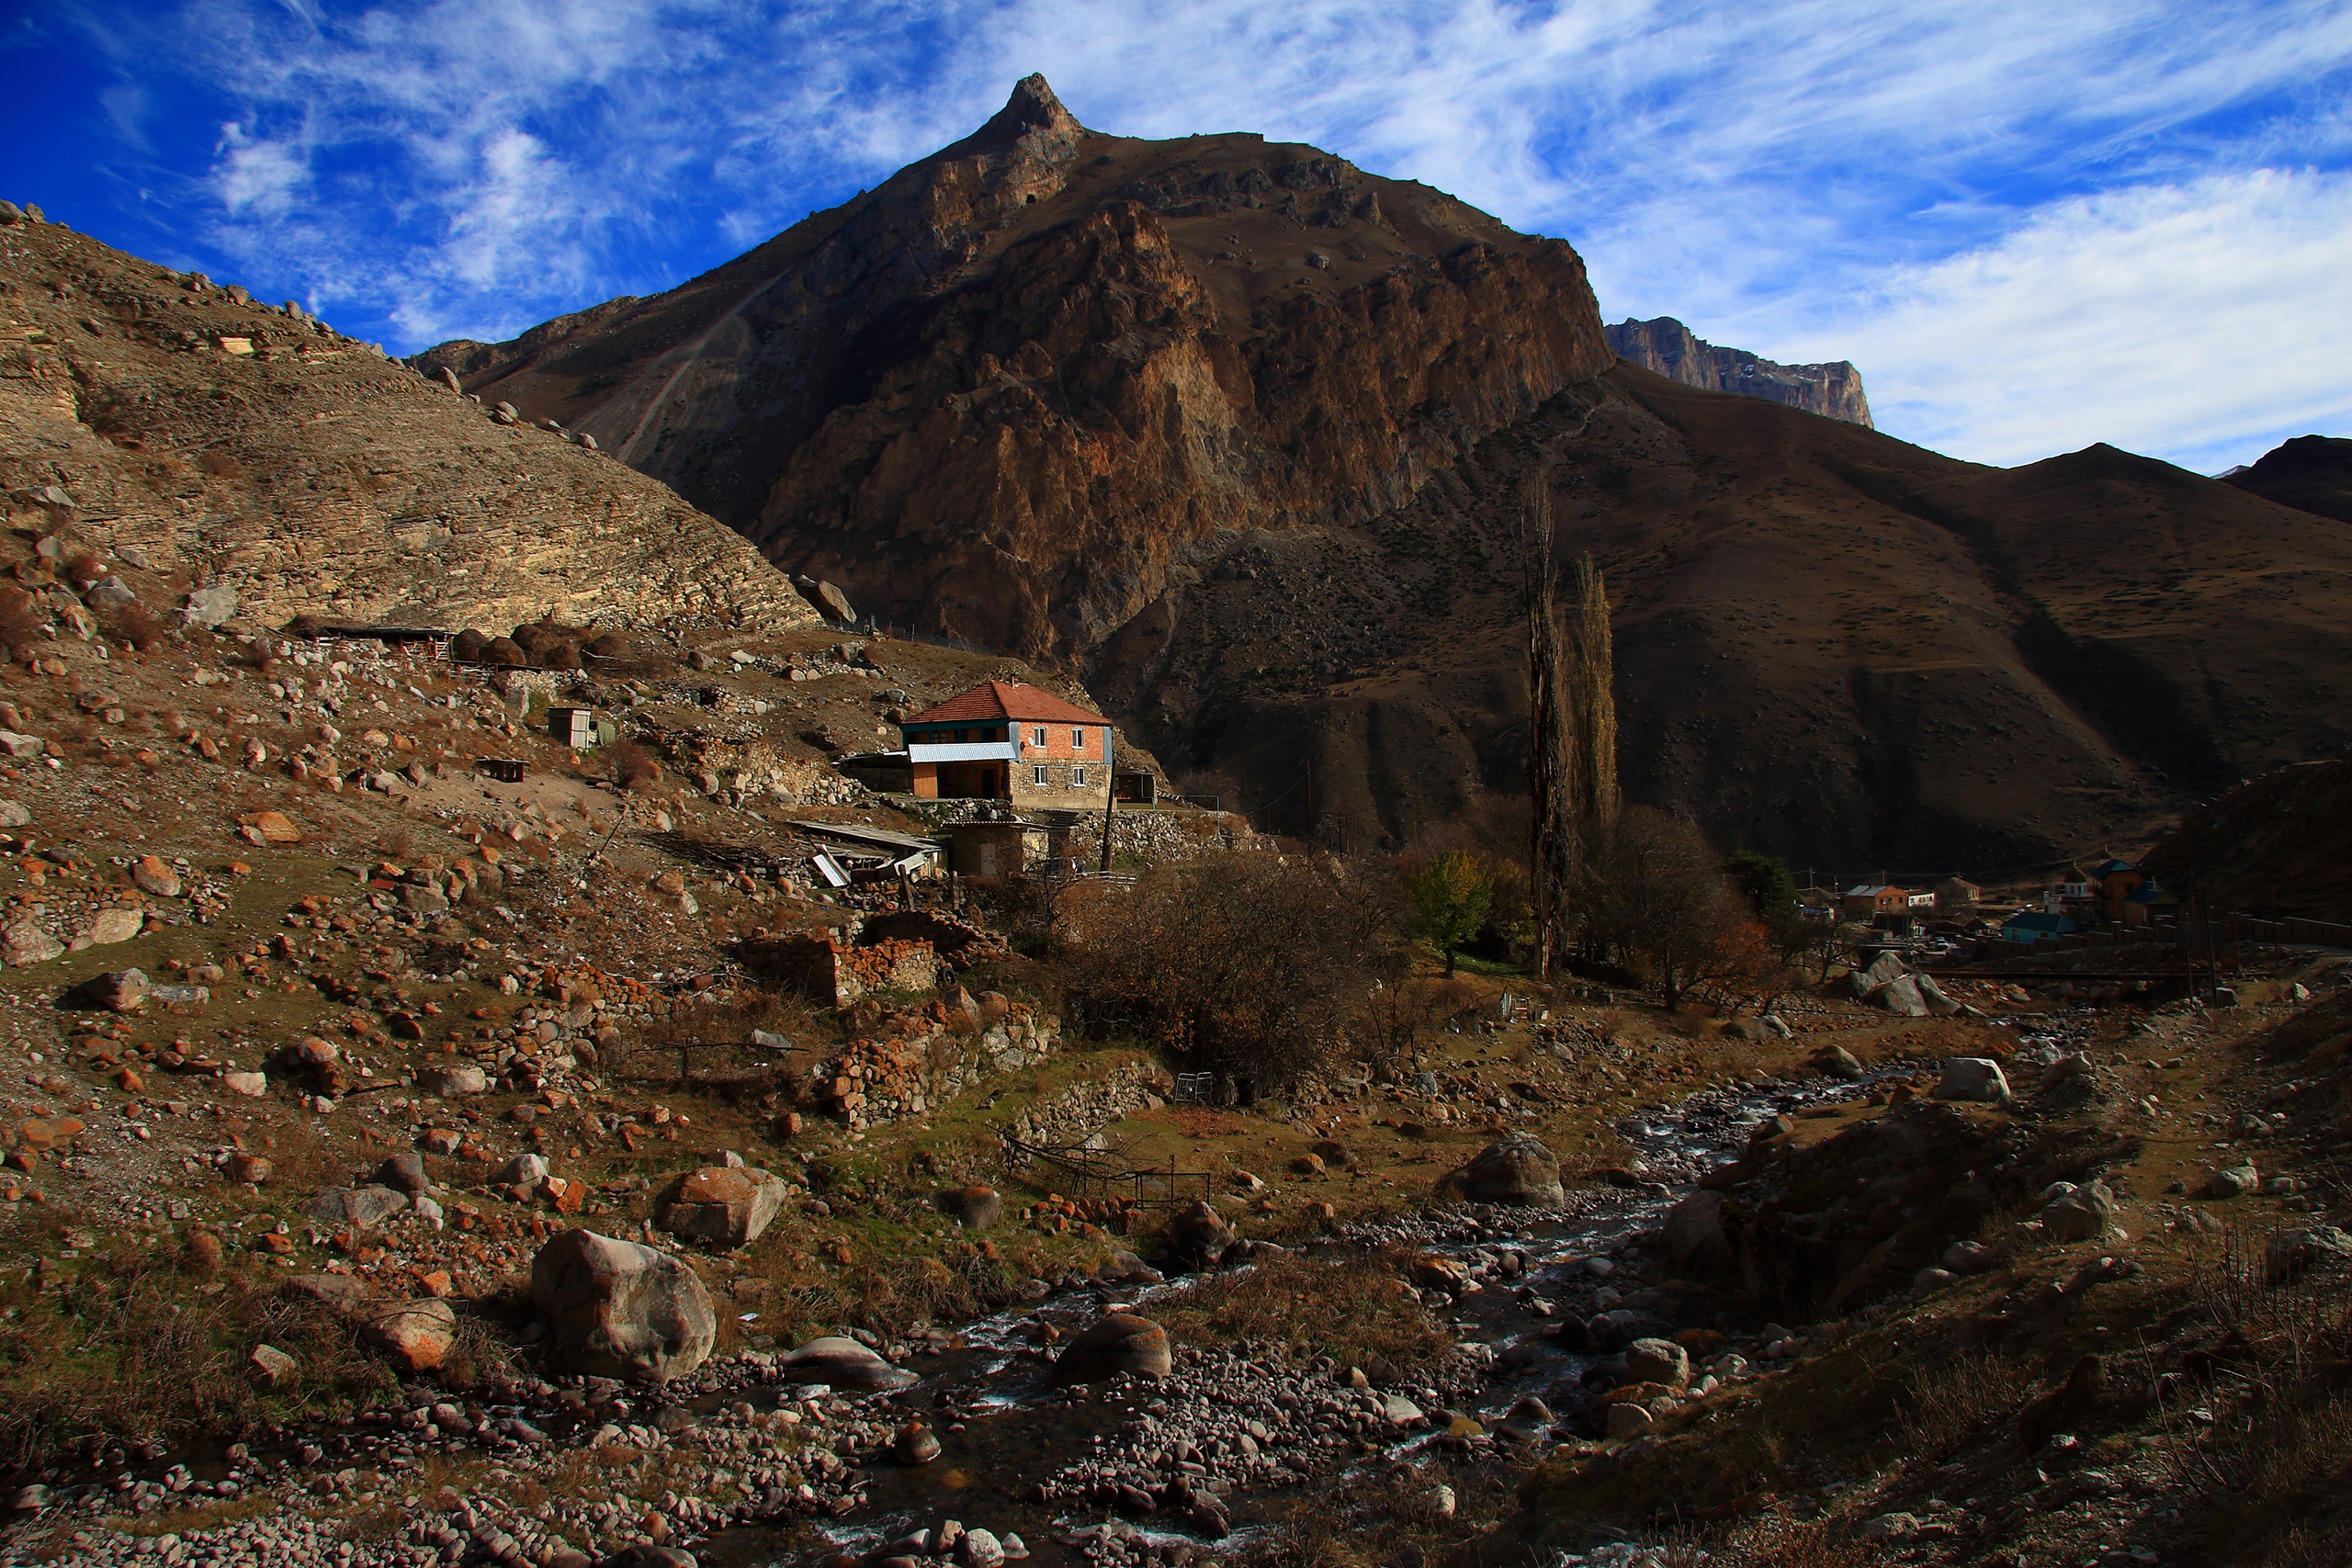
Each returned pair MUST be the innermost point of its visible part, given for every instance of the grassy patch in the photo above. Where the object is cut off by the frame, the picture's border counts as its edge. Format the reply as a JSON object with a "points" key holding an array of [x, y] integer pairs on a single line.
{"points": [[128, 1347], [1350, 1312]]}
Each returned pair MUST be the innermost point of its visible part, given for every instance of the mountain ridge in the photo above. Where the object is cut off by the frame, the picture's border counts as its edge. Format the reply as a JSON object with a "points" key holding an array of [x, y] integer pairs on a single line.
{"points": [[1236, 430]]}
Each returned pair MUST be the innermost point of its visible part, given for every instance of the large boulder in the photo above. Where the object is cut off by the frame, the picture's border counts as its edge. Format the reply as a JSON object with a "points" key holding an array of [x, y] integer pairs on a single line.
{"points": [[1883, 969], [839, 1361], [1515, 1169], [1976, 1078], [1197, 1236], [618, 1310], [2079, 1213], [724, 1206], [828, 599], [976, 1208], [1900, 996], [2296, 1252], [1119, 1342], [1821, 1229], [1694, 1235]]}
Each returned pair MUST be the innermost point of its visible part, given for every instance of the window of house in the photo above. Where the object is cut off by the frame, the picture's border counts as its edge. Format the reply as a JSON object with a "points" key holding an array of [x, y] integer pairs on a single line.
{"points": [[1041, 771], [1077, 740], [1078, 778], [1040, 741]]}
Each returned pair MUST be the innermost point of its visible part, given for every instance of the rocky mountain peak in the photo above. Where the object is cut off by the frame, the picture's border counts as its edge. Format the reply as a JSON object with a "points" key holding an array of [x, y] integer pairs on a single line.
{"points": [[1664, 345], [1008, 392], [1033, 107]]}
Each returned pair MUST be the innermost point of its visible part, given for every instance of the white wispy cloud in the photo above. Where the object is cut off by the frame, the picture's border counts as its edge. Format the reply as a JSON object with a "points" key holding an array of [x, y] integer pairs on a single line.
{"points": [[1820, 178], [2192, 320]]}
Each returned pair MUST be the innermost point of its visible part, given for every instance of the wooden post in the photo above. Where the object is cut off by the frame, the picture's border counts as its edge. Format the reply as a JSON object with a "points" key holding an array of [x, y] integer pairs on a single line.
{"points": [[1109, 804]]}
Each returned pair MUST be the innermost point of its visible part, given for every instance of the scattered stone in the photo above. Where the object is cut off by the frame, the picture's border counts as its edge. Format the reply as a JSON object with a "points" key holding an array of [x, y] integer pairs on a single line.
{"points": [[522, 1171], [914, 1444], [1626, 1421], [404, 1172], [2235, 1181], [1197, 1236], [1836, 1062], [976, 1208], [201, 1253], [2292, 1254], [449, 1083], [415, 1334], [365, 1207], [116, 990], [211, 607], [24, 942]]}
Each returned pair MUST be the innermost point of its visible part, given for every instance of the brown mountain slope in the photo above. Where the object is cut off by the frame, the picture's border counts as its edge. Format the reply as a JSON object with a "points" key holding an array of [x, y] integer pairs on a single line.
{"points": [[311, 474], [1012, 390], [2311, 473], [2279, 845], [1831, 645]]}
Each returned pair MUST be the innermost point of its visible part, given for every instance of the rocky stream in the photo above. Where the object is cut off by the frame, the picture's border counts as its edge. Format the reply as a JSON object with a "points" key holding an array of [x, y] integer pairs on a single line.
{"points": [[977, 1447]]}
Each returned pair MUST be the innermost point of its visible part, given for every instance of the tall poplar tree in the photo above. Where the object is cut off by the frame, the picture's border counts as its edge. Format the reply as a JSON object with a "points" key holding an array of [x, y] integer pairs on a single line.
{"points": [[1556, 852], [1593, 739]]}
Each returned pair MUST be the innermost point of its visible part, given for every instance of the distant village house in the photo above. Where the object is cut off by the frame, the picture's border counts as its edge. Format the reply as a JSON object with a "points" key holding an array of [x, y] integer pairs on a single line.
{"points": [[1006, 740]]}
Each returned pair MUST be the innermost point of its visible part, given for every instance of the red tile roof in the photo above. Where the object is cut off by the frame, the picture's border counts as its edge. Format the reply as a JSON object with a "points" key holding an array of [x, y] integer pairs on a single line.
{"points": [[1006, 699]]}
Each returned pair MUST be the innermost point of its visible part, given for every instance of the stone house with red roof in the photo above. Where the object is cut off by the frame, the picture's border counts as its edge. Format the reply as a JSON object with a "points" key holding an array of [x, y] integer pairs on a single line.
{"points": [[1006, 740]]}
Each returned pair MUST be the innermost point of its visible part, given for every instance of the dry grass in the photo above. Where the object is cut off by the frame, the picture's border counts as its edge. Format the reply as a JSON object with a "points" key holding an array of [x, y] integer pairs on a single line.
{"points": [[136, 624], [1791, 1543], [2272, 1463], [1350, 1312], [1946, 1408], [132, 1347]]}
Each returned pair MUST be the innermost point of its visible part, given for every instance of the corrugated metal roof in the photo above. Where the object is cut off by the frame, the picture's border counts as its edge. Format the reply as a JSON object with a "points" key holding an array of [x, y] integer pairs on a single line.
{"points": [[1006, 699]]}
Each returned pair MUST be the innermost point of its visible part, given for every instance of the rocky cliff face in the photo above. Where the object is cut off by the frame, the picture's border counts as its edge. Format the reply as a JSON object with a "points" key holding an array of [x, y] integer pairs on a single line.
{"points": [[1670, 348], [232, 445], [1017, 390]]}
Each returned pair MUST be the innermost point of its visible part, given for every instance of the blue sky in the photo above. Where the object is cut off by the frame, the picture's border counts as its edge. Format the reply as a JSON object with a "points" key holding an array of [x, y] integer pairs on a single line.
{"points": [[2032, 226]]}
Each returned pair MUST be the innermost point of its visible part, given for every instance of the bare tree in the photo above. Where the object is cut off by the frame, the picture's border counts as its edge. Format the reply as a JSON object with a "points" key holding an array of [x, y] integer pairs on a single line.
{"points": [[1660, 898], [1249, 963]]}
